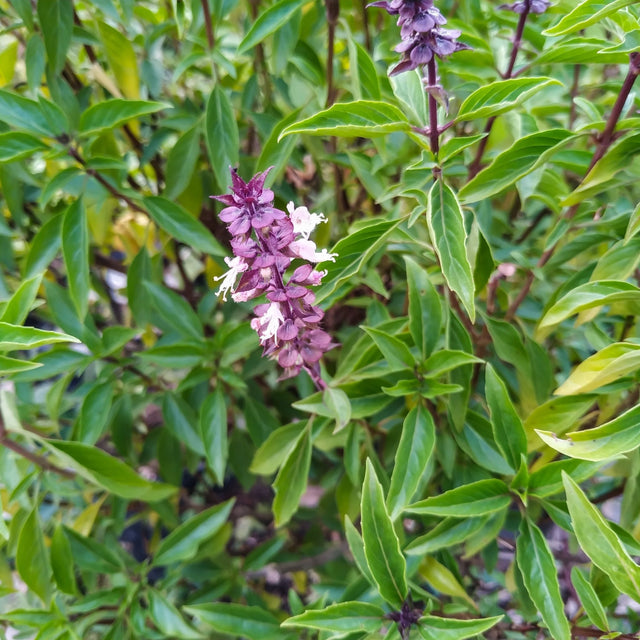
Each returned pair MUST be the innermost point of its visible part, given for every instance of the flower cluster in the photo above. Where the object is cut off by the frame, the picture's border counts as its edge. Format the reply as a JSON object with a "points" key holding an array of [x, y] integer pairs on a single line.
{"points": [[265, 242], [527, 6], [422, 32]]}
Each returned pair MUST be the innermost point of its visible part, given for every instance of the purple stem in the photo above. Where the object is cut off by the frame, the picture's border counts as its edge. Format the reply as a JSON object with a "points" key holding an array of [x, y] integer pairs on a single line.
{"points": [[432, 76]]}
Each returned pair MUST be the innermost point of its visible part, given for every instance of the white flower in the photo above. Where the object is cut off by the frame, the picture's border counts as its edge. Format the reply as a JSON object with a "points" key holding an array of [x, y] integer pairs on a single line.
{"points": [[236, 266], [268, 323], [306, 249], [304, 222]]}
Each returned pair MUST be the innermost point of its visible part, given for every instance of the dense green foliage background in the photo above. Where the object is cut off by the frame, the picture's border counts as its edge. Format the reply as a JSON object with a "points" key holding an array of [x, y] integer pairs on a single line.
{"points": [[157, 480]]}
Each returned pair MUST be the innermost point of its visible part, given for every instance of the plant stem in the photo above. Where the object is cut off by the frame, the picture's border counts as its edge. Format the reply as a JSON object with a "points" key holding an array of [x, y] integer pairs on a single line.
{"points": [[208, 25], [432, 77], [603, 145], [474, 167]]}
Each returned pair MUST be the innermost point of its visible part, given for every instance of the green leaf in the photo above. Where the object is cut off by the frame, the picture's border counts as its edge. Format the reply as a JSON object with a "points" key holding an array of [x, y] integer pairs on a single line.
{"points": [[354, 250], [499, 97], [507, 426], [412, 456], [448, 236], [586, 296], [109, 114], [589, 599], [94, 412], [634, 224], [356, 546], [183, 543], [609, 440], [291, 481], [343, 617], [44, 247], [613, 362], [425, 312], [338, 405], [168, 619], [436, 628], [222, 135], [524, 156], [14, 337], [122, 60], [367, 118], [381, 545], [600, 543], [447, 360], [394, 351], [540, 577], [112, 474], [580, 50], [213, 429], [470, 500], [442, 579], [182, 161], [9, 366], [236, 620], [617, 158], [268, 22], [32, 558], [16, 145], [75, 250], [19, 305], [547, 480], [175, 311], [62, 562], [445, 534], [56, 23], [23, 113], [181, 421], [275, 449], [586, 13]]}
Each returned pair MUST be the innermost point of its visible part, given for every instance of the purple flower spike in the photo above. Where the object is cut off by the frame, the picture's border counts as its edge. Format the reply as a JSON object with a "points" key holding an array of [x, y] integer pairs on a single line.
{"points": [[265, 242], [535, 6], [421, 32]]}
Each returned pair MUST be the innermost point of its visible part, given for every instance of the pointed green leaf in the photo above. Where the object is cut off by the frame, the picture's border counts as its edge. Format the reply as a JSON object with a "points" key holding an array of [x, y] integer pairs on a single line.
{"points": [[425, 312], [448, 236], [445, 534], [236, 620], [32, 558], [19, 305], [498, 97], [442, 579], [182, 161], [222, 135], [168, 619], [394, 351], [475, 499], [507, 426], [182, 226], [381, 544], [609, 364], [13, 365], [14, 337], [175, 311], [75, 250], [436, 628], [412, 456], [15, 145], [62, 562], [356, 546], [268, 22], [183, 542], [350, 119], [26, 114], [122, 60], [94, 412], [275, 449], [586, 296], [586, 13], [343, 617], [109, 114], [589, 599], [213, 430], [540, 577], [634, 224], [525, 155], [56, 22], [291, 481], [112, 474], [609, 440], [600, 543]]}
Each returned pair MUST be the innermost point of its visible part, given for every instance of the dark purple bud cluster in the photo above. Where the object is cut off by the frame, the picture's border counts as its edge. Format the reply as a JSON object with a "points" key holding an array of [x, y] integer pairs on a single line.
{"points": [[422, 32], [265, 242], [527, 6]]}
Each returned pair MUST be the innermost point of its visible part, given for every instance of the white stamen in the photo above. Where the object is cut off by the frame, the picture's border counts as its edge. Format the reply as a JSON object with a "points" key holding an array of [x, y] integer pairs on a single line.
{"points": [[236, 266], [304, 222]]}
